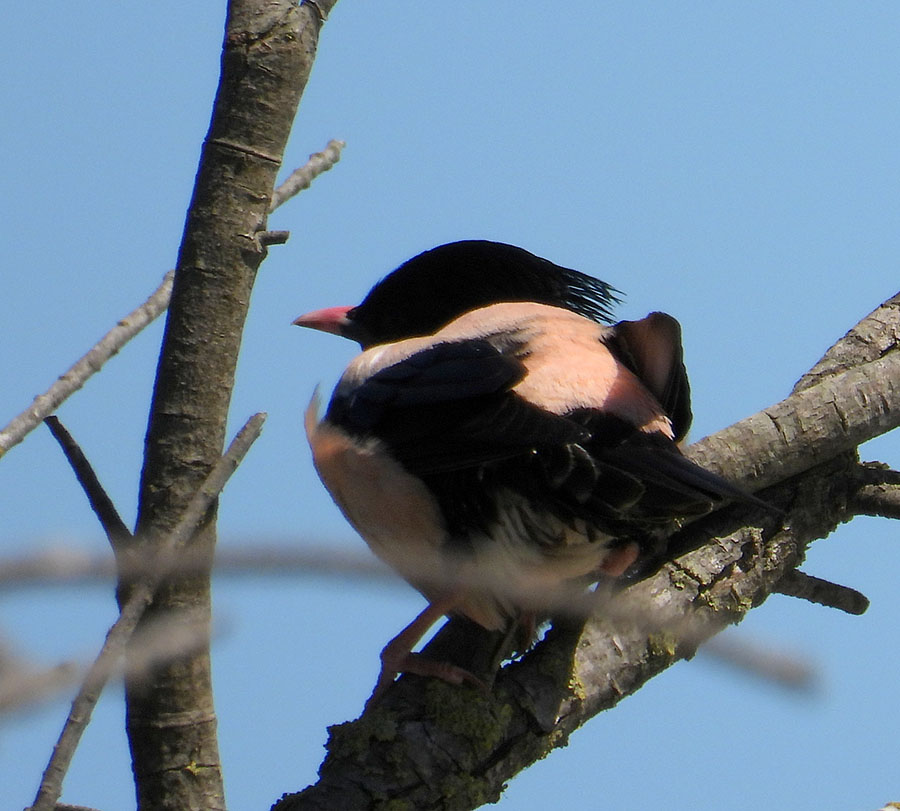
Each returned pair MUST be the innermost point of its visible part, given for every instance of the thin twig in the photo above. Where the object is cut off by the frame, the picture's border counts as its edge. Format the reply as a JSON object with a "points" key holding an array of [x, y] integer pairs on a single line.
{"points": [[100, 502], [168, 637], [816, 590], [301, 178], [139, 598], [879, 500], [267, 238], [110, 344], [76, 376]]}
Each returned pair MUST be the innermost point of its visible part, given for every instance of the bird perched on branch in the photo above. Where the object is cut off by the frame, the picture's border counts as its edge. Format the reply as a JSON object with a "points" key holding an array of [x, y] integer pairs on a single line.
{"points": [[498, 441]]}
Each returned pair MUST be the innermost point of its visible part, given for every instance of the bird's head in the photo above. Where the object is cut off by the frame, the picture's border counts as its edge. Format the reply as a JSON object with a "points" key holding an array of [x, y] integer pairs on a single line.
{"points": [[432, 289]]}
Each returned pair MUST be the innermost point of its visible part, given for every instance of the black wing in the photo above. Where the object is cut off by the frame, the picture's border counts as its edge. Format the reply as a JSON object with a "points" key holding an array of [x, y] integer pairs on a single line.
{"points": [[651, 348], [449, 415], [450, 408]]}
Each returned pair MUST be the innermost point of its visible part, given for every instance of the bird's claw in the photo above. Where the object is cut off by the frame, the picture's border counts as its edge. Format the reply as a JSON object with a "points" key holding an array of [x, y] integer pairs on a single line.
{"points": [[419, 665]]}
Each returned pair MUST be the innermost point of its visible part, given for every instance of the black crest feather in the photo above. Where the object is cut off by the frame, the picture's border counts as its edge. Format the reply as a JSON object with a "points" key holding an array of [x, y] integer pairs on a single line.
{"points": [[431, 289]]}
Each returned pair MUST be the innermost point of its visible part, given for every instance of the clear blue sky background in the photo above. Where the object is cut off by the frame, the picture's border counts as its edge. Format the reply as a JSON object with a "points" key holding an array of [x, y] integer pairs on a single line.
{"points": [[736, 165]]}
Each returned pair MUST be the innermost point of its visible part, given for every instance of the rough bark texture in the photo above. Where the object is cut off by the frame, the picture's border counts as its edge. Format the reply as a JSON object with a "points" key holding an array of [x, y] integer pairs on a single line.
{"points": [[429, 745], [268, 52]]}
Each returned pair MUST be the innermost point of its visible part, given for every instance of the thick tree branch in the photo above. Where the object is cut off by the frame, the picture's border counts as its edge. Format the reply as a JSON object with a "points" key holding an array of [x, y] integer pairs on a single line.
{"points": [[268, 52], [811, 426], [431, 745], [873, 337], [266, 59]]}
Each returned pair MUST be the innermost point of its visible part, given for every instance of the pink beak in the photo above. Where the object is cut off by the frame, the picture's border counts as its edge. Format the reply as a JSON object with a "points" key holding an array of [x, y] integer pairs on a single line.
{"points": [[331, 319]]}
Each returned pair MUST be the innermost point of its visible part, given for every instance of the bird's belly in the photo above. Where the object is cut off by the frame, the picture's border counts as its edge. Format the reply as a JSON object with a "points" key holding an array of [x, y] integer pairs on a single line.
{"points": [[525, 561], [392, 510], [528, 562]]}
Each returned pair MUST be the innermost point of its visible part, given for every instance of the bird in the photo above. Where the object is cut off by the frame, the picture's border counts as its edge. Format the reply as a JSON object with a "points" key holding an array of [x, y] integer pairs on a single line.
{"points": [[500, 441]]}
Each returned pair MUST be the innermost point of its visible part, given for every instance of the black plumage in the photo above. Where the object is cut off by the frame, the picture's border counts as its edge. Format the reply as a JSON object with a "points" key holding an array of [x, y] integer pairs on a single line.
{"points": [[428, 291]]}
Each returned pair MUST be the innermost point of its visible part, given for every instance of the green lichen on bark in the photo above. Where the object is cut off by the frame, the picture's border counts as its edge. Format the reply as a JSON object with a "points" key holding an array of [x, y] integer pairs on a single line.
{"points": [[463, 791], [353, 739], [662, 645], [480, 718]]}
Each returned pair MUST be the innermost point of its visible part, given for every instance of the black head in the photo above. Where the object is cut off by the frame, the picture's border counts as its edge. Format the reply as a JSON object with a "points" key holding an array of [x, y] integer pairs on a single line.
{"points": [[435, 287]]}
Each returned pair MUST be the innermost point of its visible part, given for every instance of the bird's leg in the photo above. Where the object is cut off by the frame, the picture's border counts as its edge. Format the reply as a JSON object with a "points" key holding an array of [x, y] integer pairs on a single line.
{"points": [[620, 559], [397, 656], [525, 631]]}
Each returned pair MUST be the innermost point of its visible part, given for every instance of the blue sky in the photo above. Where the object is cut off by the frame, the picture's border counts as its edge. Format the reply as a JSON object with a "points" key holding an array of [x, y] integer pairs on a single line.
{"points": [[733, 164]]}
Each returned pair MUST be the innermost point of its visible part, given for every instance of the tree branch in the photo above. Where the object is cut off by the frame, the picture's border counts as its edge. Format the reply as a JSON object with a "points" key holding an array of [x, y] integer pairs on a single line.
{"points": [[812, 425], [878, 491], [100, 502], [63, 566], [266, 59], [748, 657], [75, 377], [824, 592], [22, 683], [301, 178]]}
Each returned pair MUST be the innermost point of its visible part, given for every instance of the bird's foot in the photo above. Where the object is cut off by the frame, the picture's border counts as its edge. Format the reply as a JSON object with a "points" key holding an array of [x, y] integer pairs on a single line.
{"points": [[620, 560], [419, 665]]}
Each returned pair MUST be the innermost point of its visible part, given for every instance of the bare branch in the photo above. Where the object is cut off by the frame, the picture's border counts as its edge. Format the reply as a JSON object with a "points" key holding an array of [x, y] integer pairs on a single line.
{"points": [[807, 428], [100, 502], [869, 339], [877, 493], [141, 593], [77, 375], [129, 326], [824, 592], [301, 178], [63, 565], [267, 238], [881, 501], [168, 637]]}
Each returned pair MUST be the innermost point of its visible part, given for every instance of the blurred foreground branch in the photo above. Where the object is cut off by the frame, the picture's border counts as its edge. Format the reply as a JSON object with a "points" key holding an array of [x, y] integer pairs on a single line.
{"points": [[23, 684]]}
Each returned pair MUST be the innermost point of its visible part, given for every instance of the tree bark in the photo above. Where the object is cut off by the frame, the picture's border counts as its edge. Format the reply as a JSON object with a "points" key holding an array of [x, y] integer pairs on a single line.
{"points": [[267, 55]]}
